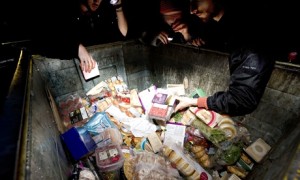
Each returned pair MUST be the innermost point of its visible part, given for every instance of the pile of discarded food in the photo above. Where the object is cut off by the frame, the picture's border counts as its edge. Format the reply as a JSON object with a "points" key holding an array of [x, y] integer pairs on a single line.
{"points": [[112, 129]]}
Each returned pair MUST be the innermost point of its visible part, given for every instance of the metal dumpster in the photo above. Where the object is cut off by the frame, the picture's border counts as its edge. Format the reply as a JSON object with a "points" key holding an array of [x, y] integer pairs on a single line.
{"points": [[276, 119]]}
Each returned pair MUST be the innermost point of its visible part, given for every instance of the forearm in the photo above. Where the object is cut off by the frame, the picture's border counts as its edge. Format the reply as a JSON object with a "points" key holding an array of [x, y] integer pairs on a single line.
{"points": [[202, 102], [122, 22]]}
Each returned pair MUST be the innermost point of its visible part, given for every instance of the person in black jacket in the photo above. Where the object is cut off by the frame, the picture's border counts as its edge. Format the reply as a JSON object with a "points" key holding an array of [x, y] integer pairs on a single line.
{"points": [[74, 25], [250, 65]]}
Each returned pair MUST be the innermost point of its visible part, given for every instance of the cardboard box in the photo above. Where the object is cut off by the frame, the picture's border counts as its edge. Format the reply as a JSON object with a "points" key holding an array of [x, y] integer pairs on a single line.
{"points": [[79, 142]]}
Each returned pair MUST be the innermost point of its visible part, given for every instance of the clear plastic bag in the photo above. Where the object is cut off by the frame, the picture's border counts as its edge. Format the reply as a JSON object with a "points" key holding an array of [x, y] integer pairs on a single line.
{"points": [[146, 165]]}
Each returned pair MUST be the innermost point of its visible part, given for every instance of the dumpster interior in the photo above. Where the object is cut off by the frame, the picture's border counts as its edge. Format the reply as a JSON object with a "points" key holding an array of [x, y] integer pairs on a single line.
{"points": [[276, 120]]}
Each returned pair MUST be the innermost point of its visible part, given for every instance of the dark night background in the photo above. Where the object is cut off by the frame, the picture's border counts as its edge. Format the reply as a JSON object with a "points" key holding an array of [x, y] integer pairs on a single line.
{"points": [[21, 19]]}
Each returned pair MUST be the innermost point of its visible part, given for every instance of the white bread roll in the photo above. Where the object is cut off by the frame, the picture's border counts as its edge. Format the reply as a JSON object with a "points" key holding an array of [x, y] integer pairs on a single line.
{"points": [[226, 120], [194, 176], [181, 164], [200, 154], [188, 171], [174, 157], [166, 151], [196, 149]]}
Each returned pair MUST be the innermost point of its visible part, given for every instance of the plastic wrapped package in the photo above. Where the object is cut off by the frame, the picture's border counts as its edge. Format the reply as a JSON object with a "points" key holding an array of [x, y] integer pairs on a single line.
{"points": [[109, 135], [68, 106], [228, 154], [216, 136], [185, 163], [99, 91], [98, 123], [146, 165], [109, 157]]}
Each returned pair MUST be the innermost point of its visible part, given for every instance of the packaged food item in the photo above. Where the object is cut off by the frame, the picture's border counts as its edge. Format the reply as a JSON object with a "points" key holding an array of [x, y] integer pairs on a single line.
{"points": [[258, 150], [94, 72], [214, 135], [208, 117], [78, 115], [134, 98], [147, 165], [188, 117], [68, 105], [98, 123], [228, 154], [230, 130], [176, 89], [146, 97], [240, 172], [108, 136], [158, 111], [185, 163], [109, 157], [99, 92], [86, 174], [160, 98], [162, 107], [155, 142], [245, 162], [228, 126], [201, 156], [174, 133], [79, 142]]}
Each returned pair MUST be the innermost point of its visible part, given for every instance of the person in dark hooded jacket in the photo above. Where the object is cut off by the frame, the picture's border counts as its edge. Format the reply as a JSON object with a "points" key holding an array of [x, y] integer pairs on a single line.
{"points": [[250, 63]]}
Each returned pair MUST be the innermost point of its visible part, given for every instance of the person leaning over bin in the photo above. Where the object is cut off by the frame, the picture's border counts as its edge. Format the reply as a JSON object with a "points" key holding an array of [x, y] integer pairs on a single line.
{"points": [[172, 11], [250, 63], [77, 24], [165, 29]]}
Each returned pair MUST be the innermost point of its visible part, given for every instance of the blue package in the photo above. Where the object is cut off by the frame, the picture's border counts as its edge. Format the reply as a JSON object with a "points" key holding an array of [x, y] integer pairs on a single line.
{"points": [[79, 142], [98, 123]]}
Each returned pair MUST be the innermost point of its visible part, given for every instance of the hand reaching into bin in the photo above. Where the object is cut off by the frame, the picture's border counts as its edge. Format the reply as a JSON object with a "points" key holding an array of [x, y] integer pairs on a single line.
{"points": [[87, 63], [250, 60], [185, 102]]}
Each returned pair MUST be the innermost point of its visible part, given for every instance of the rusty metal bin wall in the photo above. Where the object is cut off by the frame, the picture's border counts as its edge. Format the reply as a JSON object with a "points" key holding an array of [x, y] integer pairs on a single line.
{"points": [[275, 120]]}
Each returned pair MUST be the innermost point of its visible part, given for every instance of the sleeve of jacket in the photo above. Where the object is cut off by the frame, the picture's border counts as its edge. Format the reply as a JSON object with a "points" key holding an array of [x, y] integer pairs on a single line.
{"points": [[250, 73]]}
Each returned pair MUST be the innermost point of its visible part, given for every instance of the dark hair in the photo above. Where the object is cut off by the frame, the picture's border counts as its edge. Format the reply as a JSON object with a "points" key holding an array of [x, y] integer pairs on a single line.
{"points": [[219, 5]]}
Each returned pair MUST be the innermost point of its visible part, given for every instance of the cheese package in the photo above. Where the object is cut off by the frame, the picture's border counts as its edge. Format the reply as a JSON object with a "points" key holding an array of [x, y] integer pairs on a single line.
{"points": [[258, 150], [210, 118]]}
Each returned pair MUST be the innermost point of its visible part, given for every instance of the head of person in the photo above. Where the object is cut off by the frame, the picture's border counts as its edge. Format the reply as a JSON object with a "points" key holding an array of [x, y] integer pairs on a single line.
{"points": [[90, 5], [207, 9], [170, 10]]}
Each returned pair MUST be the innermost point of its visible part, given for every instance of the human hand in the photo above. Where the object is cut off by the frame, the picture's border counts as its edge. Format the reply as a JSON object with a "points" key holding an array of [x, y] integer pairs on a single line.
{"points": [[185, 102], [163, 37], [198, 42], [87, 63], [179, 26]]}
